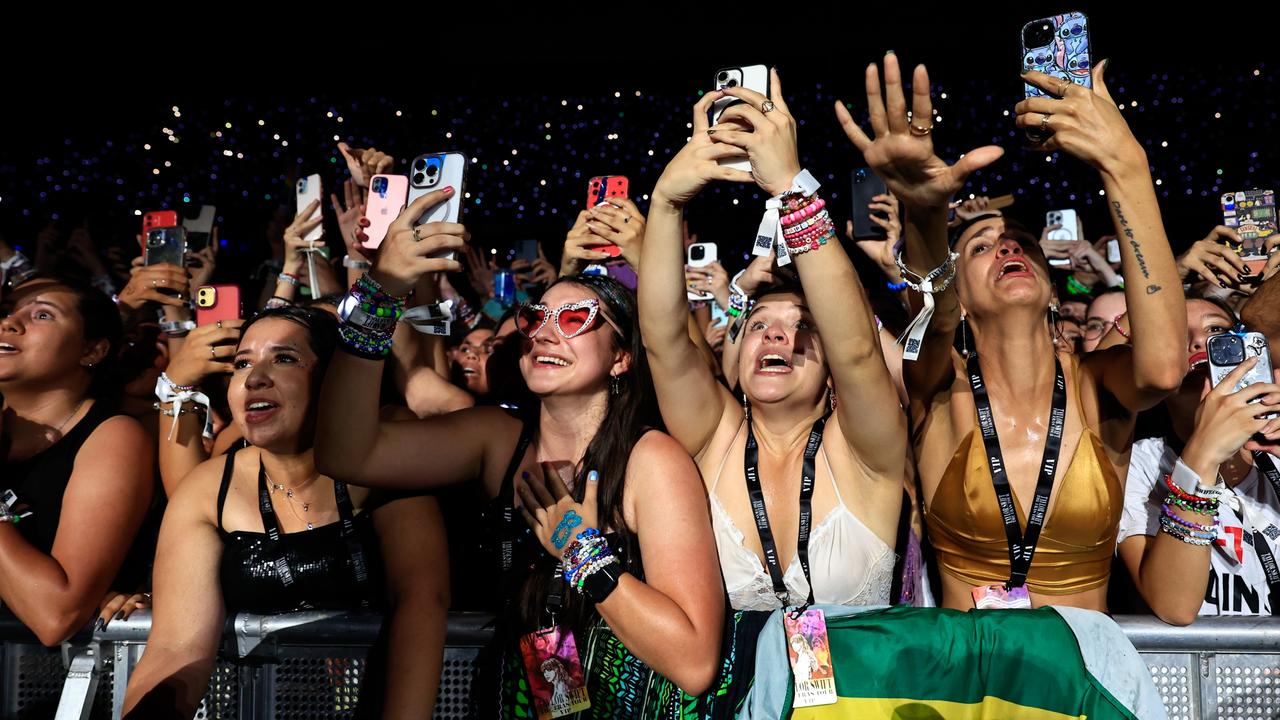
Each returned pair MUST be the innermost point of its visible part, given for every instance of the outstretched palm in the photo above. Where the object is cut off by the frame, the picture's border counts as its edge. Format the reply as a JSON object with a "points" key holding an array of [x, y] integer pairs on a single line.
{"points": [[902, 151]]}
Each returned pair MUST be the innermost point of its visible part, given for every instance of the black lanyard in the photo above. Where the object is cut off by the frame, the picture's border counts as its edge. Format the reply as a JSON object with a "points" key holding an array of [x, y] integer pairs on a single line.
{"points": [[1268, 470], [751, 462], [1022, 546], [346, 514]]}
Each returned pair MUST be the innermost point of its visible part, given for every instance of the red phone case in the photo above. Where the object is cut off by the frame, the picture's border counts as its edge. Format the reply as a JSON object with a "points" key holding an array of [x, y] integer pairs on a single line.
{"points": [[226, 305], [599, 190], [157, 219]]}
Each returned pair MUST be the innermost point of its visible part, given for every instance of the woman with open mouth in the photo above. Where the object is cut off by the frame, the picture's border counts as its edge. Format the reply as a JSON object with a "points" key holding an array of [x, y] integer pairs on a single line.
{"points": [[1019, 445], [261, 530], [804, 472]]}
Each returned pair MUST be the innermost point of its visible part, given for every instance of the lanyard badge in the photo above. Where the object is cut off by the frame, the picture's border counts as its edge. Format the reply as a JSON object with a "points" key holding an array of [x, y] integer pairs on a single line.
{"points": [[556, 680]]}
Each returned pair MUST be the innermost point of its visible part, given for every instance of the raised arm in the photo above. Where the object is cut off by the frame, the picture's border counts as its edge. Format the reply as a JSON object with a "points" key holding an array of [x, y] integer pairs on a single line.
{"points": [[691, 400], [832, 291], [351, 443], [1087, 124], [902, 155]]}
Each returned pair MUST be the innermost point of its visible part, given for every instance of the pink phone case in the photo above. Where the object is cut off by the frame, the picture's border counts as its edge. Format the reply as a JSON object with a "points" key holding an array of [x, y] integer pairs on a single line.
{"points": [[387, 195]]}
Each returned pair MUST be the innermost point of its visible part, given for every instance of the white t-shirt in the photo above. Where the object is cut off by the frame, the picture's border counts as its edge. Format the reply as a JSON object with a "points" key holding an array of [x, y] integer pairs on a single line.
{"points": [[1237, 582]]}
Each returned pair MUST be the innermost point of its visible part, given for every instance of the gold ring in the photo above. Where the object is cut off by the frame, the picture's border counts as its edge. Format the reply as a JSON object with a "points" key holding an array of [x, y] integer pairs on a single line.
{"points": [[919, 131], [1064, 87], [1044, 123]]}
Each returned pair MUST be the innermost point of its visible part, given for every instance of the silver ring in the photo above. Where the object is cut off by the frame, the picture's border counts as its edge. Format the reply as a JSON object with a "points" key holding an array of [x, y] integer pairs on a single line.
{"points": [[416, 236], [219, 324], [767, 106], [213, 353], [1044, 123]]}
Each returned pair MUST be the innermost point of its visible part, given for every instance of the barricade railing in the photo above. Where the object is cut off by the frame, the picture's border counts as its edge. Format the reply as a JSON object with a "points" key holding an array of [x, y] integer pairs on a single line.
{"points": [[310, 665]]}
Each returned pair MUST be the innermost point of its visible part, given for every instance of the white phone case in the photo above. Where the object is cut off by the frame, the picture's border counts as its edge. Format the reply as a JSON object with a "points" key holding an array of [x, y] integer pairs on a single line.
{"points": [[450, 171], [709, 255], [751, 77], [1255, 345], [1067, 219], [309, 190]]}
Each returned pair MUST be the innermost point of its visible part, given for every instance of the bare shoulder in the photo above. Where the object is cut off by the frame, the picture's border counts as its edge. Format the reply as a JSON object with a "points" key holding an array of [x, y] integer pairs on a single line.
{"points": [[658, 463], [119, 434], [198, 491]]}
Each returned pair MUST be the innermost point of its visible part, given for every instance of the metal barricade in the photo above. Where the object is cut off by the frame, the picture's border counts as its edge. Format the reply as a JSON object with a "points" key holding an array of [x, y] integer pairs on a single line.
{"points": [[309, 665]]}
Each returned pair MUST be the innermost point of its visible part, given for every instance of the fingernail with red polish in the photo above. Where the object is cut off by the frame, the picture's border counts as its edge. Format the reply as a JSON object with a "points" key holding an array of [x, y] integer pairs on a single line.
{"points": [[447, 189]]}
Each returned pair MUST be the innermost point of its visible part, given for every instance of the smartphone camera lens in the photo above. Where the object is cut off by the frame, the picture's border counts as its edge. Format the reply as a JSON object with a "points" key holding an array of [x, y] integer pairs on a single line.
{"points": [[418, 178], [732, 83], [302, 185], [380, 185], [724, 75], [1226, 350], [419, 164], [432, 170], [697, 253]]}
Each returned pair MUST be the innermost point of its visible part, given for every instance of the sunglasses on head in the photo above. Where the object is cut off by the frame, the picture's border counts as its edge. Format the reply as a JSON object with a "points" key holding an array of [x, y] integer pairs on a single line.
{"points": [[571, 319]]}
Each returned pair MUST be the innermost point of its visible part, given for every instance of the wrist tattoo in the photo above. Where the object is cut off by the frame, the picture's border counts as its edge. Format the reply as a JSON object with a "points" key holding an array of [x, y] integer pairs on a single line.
{"points": [[1133, 243]]}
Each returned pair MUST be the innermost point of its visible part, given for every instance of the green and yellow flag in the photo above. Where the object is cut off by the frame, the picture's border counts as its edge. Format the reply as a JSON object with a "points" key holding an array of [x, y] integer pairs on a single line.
{"points": [[907, 663]]}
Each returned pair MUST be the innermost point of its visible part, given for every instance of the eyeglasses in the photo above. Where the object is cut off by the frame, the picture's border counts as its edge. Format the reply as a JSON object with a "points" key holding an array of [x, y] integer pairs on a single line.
{"points": [[1097, 327], [571, 319]]}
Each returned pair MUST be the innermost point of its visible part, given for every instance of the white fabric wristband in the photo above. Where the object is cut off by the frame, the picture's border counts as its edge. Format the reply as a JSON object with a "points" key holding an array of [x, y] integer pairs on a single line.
{"points": [[170, 394], [769, 234]]}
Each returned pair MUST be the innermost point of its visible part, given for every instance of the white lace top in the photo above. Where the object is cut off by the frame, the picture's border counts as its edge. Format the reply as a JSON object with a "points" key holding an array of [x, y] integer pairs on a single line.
{"points": [[850, 564]]}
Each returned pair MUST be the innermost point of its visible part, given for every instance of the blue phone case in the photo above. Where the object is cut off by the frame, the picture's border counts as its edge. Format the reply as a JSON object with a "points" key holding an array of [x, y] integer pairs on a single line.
{"points": [[1067, 56]]}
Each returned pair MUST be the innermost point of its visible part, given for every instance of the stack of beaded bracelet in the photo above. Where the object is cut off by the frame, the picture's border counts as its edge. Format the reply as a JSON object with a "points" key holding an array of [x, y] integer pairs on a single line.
{"points": [[588, 553], [807, 225], [1185, 500], [369, 319], [739, 302], [1185, 530]]}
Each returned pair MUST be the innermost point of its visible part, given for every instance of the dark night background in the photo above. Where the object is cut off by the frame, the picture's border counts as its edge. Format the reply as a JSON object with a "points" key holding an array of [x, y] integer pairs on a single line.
{"points": [[1203, 81]]}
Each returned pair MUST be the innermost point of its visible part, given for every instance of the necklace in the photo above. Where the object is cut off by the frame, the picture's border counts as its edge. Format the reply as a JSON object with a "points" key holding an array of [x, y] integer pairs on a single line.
{"points": [[288, 493], [63, 424]]}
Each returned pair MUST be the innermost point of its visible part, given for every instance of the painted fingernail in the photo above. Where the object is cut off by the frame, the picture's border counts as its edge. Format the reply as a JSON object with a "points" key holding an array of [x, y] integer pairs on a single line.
{"points": [[99, 624], [524, 475], [118, 616], [447, 189], [888, 52], [1222, 283], [593, 476]]}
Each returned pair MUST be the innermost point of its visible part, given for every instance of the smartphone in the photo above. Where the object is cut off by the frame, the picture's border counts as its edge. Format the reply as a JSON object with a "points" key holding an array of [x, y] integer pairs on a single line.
{"points": [[1113, 250], [527, 250], [1068, 220], [751, 77], [599, 190], [387, 196], [157, 219], [436, 171], [310, 189], [165, 245], [1252, 213], [1057, 46], [200, 228], [1228, 350], [217, 302], [701, 255], [867, 185]]}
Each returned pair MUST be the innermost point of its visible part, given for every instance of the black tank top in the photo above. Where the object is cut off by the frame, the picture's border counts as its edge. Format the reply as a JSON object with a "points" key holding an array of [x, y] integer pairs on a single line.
{"points": [[40, 484], [333, 567]]}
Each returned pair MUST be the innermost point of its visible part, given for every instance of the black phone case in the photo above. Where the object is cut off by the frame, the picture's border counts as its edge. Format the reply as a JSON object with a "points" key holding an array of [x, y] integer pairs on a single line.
{"points": [[866, 185]]}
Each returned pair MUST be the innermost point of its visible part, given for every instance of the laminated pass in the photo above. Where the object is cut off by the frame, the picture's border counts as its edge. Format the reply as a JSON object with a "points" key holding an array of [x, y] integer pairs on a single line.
{"points": [[556, 680], [809, 650]]}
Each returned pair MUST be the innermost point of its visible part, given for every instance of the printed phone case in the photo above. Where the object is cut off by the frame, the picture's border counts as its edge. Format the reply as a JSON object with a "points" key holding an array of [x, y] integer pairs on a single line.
{"points": [[1252, 214], [1066, 56]]}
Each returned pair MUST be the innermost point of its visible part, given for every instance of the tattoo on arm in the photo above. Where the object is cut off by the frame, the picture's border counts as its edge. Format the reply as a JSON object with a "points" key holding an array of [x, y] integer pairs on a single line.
{"points": [[1137, 248]]}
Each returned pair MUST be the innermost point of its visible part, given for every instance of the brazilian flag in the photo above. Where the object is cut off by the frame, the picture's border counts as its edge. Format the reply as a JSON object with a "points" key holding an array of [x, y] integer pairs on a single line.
{"points": [[906, 663]]}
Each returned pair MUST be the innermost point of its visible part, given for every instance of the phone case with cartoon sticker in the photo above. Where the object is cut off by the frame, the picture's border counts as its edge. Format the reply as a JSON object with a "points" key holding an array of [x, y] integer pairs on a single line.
{"points": [[1058, 46]]}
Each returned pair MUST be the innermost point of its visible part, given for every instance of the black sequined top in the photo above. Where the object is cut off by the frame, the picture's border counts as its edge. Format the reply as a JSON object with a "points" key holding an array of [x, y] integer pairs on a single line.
{"points": [[310, 570]]}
